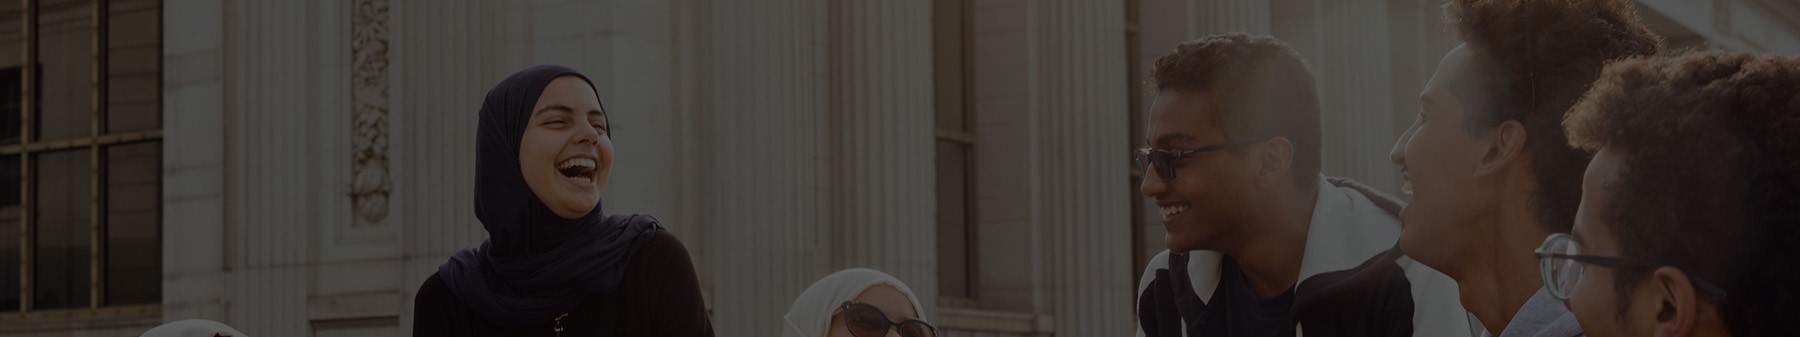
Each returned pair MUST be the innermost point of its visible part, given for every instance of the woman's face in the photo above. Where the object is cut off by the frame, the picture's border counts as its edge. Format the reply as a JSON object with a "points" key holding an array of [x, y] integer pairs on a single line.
{"points": [[891, 302], [566, 154]]}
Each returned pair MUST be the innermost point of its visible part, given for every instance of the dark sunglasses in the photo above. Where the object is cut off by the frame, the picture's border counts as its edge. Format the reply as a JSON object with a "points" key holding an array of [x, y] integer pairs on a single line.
{"points": [[1164, 160], [865, 320]]}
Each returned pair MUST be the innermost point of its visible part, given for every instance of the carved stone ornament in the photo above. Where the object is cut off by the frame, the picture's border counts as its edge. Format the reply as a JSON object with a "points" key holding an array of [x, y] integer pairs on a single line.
{"points": [[371, 181]]}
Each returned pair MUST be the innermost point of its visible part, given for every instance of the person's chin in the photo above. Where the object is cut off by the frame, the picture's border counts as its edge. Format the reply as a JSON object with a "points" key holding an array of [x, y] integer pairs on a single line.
{"points": [[1179, 248], [583, 205], [1180, 243], [1409, 244], [576, 203], [1409, 230], [574, 213], [1405, 216], [578, 194]]}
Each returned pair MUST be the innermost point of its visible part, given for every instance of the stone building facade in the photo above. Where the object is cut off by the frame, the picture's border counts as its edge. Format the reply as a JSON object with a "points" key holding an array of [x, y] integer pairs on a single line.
{"points": [[316, 157]]}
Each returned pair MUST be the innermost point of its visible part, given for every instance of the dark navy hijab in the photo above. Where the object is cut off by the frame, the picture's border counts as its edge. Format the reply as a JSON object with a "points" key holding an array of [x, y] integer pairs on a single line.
{"points": [[535, 265]]}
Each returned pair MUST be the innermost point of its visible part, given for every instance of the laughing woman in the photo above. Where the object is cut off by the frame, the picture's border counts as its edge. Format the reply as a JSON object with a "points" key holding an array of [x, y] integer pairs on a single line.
{"points": [[554, 264]]}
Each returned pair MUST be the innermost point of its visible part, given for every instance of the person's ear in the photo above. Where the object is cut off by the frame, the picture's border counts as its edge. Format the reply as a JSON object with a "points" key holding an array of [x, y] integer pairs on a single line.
{"points": [[1274, 161], [1673, 295], [1505, 145]]}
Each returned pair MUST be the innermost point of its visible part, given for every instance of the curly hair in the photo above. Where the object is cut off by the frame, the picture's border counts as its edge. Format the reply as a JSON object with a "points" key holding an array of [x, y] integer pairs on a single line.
{"points": [[1261, 88], [1538, 56], [1710, 143]]}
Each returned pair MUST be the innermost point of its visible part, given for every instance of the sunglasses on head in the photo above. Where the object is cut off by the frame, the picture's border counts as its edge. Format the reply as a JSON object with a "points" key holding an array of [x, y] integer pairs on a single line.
{"points": [[864, 320]]}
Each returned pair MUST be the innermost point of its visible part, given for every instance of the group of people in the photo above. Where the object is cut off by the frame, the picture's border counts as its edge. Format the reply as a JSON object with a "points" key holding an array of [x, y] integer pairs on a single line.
{"points": [[1567, 177]]}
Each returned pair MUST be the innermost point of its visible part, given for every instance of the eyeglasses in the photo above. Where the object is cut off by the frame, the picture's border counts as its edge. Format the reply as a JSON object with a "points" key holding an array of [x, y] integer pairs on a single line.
{"points": [[865, 320], [1164, 160], [1560, 261]]}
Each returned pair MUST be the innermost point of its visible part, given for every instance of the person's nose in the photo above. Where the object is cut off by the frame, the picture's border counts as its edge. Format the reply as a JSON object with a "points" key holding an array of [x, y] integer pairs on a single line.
{"points": [[1153, 185], [587, 134], [1397, 154]]}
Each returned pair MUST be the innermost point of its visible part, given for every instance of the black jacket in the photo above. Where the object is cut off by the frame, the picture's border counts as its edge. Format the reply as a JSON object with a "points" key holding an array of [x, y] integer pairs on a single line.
{"points": [[659, 296], [1371, 298]]}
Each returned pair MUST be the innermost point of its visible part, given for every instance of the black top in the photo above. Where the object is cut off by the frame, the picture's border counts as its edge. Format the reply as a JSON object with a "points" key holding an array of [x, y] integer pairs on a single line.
{"points": [[659, 296], [1373, 299], [1246, 314]]}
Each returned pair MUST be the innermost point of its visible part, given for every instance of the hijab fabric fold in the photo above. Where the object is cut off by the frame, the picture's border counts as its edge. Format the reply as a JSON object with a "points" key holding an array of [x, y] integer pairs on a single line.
{"points": [[810, 316], [535, 265]]}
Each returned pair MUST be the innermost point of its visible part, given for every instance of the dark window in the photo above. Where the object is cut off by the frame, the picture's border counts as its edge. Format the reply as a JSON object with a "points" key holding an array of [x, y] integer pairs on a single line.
{"points": [[80, 154], [955, 146]]}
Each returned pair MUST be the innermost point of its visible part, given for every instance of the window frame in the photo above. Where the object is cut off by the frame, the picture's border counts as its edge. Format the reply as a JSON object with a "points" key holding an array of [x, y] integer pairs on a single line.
{"points": [[966, 140], [1135, 131], [96, 144]]}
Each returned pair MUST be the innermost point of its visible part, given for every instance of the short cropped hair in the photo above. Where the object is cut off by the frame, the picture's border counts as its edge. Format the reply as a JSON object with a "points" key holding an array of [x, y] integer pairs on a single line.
{"points": [[1261, 87]]}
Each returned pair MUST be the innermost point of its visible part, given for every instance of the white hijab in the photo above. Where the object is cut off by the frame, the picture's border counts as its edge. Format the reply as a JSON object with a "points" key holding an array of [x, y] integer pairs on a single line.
{"points": [[193, 328], [811, 314]]}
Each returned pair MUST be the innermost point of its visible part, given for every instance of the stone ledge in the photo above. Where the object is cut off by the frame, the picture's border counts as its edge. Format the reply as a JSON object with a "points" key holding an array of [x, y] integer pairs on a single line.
{"points": [[354, 306], [137, 318], [994, 321]]}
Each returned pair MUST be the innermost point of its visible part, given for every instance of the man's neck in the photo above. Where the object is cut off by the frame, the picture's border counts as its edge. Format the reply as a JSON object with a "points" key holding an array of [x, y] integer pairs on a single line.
{"points": [[1271, 257], [1503, 273]]}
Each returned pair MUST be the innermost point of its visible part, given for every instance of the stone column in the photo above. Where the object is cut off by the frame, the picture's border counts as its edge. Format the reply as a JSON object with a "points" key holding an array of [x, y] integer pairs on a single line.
{"points": [[444, 58], [763, 168], [1207, 17], [1078, 105], [881, 111], [1355, 91], [193, 160], [268, 178]]}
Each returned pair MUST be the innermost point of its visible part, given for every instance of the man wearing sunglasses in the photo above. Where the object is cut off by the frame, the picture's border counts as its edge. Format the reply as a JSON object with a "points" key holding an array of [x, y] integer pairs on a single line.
{"points": [[1487, 163], [1689, 209], [1261, 244]]}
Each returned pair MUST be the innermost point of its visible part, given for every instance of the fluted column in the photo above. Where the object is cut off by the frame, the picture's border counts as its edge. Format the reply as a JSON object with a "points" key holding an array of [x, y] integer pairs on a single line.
{"points": [[1207, 17], [434, 129], [193, 197], [1418, 39], [267, 176], [1078, 104], [1355, 91], [444, 60], [882, 128], [764, 166]]}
